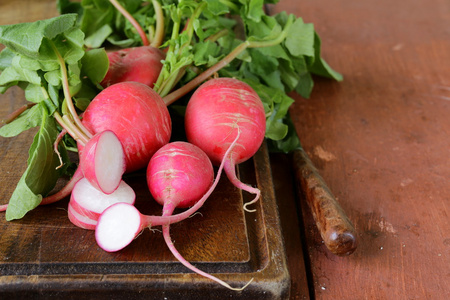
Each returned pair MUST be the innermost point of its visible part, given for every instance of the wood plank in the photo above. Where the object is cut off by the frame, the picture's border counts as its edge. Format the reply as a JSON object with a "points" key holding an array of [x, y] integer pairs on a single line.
{"points": [[380, 140]]}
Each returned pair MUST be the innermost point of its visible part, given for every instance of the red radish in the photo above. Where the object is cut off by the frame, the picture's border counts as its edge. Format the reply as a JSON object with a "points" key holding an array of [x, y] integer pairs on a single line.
{"points": [[120, 223], [91, 202], [217, 110], [178, 175], [79, 220], [136, 114], [61, 194], [103, 161], [141, 64]]}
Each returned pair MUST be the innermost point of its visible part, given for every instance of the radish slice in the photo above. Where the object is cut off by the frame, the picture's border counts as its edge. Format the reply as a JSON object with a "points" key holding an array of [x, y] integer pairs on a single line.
{"points": [[90, 202], [80, 220], [103, 161], [117, 227]]}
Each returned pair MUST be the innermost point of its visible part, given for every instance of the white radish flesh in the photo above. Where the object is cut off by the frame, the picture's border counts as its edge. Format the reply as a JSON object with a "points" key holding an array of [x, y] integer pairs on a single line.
{"points": [[103, 161], [90, 202], [117, 227]]}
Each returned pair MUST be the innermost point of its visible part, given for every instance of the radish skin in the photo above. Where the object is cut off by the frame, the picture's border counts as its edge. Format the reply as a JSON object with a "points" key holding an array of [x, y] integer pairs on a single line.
{"points": [[91, 202], [103, 161], [136, 114], [216, 111], [178, 175], [79, 220], [140, 64]]}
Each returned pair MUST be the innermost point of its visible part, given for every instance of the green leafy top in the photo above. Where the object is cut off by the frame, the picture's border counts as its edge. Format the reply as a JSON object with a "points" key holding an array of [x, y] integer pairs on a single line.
{"points": [[48, 60]]}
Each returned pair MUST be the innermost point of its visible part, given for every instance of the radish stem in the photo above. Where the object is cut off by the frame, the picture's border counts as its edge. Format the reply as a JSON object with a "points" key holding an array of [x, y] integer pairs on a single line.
{"points": [[12, 116], [177, 94], [132, 20], [158, 37], [181, 259], [55, 147], [67, 96], [64, 192]]}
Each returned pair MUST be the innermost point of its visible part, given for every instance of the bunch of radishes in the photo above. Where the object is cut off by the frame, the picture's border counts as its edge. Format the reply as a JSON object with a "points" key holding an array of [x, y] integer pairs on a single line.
{"points": [[225, 125]]}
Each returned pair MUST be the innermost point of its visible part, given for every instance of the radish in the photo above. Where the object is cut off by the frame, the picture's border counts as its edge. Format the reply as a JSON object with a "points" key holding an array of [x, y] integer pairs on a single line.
{"points": [[217, 110], [178, 175], [120, 223], [136, 114], [80, 220], [103, 161], [91, 202], [141, 64]]}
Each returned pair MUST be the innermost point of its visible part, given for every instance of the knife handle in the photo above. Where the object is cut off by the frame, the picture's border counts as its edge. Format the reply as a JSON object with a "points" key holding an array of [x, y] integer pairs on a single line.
{"points": [[335, 228]]}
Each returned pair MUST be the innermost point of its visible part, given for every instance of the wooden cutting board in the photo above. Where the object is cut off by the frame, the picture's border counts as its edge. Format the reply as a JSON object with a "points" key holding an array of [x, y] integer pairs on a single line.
{"points": [[43, 254]]}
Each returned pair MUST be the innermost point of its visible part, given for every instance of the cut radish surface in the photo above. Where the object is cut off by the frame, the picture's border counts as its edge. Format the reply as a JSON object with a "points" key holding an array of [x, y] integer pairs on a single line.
{"points": [[80, 220], [90, 202], [117, 227], [103, 161]]}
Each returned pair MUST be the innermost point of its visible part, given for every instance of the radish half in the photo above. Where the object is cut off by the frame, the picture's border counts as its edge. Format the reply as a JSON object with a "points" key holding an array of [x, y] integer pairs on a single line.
{"points": [[103, 161], [117, 226]]}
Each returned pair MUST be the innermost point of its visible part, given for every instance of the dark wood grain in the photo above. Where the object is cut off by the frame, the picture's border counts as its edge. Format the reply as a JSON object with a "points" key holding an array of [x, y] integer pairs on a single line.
{"points": [[380, 139]]}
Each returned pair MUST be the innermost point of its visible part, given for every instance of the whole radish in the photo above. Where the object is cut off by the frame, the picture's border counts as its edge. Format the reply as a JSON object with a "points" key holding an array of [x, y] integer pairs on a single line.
{"points": [[138, 117], [103, 161], [178, 175], [141, 64], [216, 112]]}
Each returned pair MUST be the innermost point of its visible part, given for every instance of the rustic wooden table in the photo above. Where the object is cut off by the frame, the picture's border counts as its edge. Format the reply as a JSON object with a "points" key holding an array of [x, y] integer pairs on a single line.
{"points": [[379, 139]]}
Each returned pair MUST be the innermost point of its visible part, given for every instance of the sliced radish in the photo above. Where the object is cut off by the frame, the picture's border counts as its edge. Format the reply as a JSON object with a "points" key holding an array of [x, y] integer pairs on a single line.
{"points": [[103, 161], [117, 227], [91, 202], [80, 220]]}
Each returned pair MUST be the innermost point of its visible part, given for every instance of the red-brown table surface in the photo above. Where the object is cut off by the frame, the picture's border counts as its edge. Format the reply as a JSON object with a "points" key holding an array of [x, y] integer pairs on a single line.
{"points": [[381, 141]]}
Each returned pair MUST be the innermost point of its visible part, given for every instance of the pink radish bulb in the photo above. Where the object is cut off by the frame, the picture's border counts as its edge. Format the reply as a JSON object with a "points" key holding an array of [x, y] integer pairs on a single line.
{"points": [[141, 64], [136, 114], [80, 220], [91, 202], [103, 161], [216, 112], [178, 175], [120, 223]]}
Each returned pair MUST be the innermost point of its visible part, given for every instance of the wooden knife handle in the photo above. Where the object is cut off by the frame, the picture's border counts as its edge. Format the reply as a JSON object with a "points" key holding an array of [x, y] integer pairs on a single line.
{"points": [[335, 228]]}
